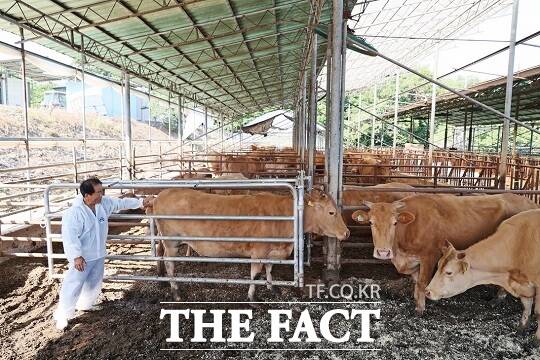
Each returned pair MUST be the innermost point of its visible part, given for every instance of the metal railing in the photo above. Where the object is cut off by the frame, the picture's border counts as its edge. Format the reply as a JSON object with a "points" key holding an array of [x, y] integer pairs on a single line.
{"points": [[294, 186]]}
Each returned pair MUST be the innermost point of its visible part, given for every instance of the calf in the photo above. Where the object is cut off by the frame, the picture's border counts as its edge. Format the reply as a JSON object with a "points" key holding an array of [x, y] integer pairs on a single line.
{"points": [[509, 258]]}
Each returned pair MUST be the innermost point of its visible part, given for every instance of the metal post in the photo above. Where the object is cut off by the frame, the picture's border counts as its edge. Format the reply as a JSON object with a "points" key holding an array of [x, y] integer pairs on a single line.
{"points": [[516, 116], [127, 127], [465, 131], [312, 128], [205, 130], [508, 98], [359, 137], [169, 114], [531, 141], [149, 117], [83, 62], [514, 141], [498, 138], [433, 110], [74, 158], [374, 109], [396, 106], [25, 112], [5, 87], [328, 111], [469, 146], [222, 131], [303, 122], [335, 150], [181, 125], [446, 131], [121, 160]]}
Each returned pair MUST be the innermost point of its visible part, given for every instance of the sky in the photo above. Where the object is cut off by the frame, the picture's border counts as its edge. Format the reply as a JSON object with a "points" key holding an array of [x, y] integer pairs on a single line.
{"points": [[454, 54]]}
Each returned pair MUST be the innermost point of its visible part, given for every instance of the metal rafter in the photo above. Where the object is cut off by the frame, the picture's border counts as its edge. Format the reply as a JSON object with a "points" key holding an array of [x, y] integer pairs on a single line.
{"points": [[53, 29], [152, 28]]}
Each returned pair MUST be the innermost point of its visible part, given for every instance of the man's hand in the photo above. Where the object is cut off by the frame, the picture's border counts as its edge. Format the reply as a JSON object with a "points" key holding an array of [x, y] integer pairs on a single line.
{"points": [[80, 263], [148, 201]]}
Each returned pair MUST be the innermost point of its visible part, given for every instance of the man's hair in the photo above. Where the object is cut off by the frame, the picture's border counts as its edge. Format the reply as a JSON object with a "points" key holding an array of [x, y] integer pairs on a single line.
{"points": [[87, 186]]}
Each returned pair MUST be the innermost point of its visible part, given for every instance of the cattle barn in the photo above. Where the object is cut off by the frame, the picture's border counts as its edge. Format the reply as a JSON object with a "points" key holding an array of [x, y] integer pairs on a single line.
{"points": [[354, 177]]}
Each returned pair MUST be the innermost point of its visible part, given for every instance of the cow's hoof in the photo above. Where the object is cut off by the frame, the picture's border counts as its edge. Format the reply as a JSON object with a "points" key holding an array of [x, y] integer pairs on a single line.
{"points": [[276, 291], [522, 330], [177, 297], [497, 300], [420, 311]]}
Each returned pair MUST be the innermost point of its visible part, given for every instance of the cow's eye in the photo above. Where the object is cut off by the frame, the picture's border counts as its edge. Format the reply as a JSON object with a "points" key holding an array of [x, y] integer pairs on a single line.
{"points": [[332, 213], [448, 273], [370, 222], [395, 222]]}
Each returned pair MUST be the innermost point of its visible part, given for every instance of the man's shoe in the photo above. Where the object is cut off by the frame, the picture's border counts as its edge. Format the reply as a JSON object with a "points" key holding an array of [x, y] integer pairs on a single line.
{"points": [[92, 308], [61, 324]]}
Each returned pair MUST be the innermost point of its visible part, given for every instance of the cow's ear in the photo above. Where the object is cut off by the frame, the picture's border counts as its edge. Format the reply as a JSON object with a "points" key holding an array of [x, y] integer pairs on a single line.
{"points": [[369, 204], [463, 263], [360, 216], [406, 217], [447, 246]]}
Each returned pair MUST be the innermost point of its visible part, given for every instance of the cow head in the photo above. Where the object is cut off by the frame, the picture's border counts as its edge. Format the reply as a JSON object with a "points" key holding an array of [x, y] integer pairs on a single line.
{"points": [[322, 217], [453, 275], [383, 219]]}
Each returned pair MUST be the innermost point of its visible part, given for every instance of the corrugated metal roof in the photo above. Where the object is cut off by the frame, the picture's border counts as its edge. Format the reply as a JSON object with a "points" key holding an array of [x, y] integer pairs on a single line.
{"points": [[235, 56]]}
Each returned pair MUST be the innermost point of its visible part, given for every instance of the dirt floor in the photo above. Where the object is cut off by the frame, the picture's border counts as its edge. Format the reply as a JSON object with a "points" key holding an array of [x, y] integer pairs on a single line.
{"points": [[128, 325]]}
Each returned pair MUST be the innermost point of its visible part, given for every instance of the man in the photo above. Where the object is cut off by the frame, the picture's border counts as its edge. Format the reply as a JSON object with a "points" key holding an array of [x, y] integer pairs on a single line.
{"points": [[84, 233]]}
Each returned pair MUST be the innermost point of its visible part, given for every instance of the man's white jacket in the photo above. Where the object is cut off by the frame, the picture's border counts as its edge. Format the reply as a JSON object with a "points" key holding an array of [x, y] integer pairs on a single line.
{"points": [[83, 233]]}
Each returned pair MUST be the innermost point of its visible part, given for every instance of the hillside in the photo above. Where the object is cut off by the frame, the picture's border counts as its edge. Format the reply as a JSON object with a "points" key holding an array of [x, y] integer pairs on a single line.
{"points": [[61, 124]]}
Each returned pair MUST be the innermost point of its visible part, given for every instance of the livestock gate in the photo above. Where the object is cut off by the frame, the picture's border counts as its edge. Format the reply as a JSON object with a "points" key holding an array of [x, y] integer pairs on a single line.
{"points": [[294, 186]]}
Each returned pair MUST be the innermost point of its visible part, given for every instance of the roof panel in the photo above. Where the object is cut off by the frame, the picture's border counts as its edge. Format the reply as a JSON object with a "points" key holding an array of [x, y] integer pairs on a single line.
{"points": [[235, 55]]}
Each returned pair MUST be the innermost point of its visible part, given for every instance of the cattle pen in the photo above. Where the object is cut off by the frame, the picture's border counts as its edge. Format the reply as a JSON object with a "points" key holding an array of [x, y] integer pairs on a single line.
{"points": [[326, 102]]}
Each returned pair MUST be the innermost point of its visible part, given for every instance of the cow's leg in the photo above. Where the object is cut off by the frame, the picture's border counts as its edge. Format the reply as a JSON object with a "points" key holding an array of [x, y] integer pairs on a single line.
{"points": [[169, 265], [414, 276], [427, 266], [270, 287], [160, 250], [527, 309], [188, 250], [255, 270], [537, 312], [499, 297]]}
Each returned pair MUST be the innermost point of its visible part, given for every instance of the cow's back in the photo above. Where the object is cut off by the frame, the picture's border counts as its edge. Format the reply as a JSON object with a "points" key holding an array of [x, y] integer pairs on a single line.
{"points": [[192, 202], [462, 220]]}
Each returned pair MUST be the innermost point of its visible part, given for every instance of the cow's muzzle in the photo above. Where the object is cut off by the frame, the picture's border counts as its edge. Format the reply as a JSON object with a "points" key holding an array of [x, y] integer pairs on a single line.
{"points": [[383, 254]]}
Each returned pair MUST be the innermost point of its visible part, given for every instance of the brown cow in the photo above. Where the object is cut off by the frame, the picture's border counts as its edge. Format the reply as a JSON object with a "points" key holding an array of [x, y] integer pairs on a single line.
{"points": [[411, 231], [356, 195], [509, 258], [320, 216]]}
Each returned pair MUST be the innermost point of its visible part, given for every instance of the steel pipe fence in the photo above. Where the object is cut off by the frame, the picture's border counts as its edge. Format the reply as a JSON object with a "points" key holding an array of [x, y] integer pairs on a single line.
{"points": [[294, 186]]}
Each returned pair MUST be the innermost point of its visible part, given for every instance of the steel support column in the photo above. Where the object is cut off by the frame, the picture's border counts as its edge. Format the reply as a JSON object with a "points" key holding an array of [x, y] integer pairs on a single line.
{"points": [[374, 109], [83, 63], [206, 130], [128, 147], [508, 98], [396, 106], [335, 136], [312, 127], [446, 130], [180, 124], [431, 139]]}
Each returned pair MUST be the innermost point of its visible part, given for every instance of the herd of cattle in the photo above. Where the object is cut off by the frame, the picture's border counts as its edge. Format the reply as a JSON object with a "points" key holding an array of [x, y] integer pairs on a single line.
{"points": [[447, 243]]}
